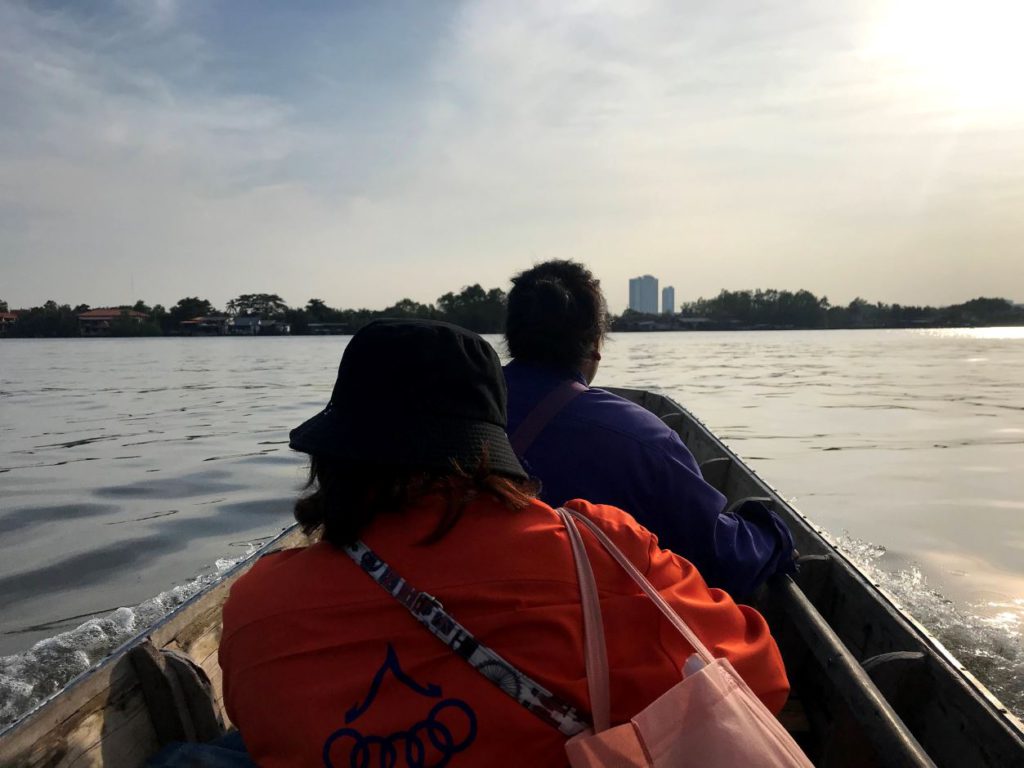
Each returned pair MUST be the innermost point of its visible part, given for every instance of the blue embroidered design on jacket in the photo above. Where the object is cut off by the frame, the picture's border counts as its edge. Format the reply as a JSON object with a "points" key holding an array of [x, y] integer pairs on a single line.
{"points": [[429, 743]]}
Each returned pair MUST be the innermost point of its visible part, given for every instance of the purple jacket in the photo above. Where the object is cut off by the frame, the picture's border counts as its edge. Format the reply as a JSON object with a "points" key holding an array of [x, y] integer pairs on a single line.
{"points": [[608, 450]]}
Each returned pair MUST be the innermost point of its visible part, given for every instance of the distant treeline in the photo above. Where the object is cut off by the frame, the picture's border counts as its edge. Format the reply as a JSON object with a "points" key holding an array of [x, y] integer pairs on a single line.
{"points": [[483, 311], [802, 309], [473, 307]]}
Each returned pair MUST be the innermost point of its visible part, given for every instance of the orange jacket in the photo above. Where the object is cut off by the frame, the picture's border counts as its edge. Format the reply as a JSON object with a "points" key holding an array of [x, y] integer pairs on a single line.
{"points": [[322, 667]]}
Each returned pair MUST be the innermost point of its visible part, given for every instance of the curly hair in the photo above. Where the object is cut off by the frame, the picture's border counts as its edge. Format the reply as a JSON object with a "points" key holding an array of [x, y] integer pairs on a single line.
{"points": [[556, 314], [342, 499]]}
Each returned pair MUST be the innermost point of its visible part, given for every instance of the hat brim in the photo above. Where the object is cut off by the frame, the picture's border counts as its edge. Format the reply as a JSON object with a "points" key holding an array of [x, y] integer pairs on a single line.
{"points": [[435, 443]]}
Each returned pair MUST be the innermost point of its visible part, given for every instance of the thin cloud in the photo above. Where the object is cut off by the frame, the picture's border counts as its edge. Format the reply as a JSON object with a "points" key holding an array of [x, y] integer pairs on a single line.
{"points": [[362, 155]]}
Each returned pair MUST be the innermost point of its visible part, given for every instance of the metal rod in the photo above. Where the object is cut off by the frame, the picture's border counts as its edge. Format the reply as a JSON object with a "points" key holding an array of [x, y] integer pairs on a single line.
{"points": [[893, 741]]}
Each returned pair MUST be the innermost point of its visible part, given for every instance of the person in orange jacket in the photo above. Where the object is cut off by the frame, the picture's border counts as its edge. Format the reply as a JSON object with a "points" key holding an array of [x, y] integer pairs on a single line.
{"points": [[437, 621]]}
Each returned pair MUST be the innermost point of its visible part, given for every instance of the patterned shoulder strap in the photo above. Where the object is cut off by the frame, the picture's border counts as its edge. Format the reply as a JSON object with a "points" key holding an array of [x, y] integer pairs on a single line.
{"points": [[429, 612]]}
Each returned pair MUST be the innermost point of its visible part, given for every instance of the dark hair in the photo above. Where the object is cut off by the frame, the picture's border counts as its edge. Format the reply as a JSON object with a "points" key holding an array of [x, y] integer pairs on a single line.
{"points": [[556, 314], [343, 498]]}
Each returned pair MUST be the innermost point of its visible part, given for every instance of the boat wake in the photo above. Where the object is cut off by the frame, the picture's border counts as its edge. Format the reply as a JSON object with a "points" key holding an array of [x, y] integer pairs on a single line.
{"points": [[990, 646], [27, 679], [987, 638]]}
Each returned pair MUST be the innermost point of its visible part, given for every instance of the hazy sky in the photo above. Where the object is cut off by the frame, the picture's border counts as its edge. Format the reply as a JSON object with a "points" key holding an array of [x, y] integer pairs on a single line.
{"points": [[361, 152]]}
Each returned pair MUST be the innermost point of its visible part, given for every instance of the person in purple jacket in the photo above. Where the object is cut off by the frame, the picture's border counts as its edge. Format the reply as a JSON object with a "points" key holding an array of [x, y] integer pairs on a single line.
{"points": [[584, 442]]}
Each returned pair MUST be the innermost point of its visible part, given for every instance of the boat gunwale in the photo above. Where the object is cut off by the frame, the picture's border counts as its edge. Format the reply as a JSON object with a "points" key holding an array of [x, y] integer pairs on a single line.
{"points": [[915, 627], [75, 684]]}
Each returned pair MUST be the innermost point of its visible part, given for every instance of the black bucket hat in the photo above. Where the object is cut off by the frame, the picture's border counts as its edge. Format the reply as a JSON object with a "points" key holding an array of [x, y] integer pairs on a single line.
{"points": [[415, 393]]}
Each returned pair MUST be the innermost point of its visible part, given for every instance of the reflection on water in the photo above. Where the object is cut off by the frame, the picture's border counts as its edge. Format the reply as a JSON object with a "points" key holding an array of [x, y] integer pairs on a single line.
{"points": [[128, 466], [1011, 332], [891, 435]]}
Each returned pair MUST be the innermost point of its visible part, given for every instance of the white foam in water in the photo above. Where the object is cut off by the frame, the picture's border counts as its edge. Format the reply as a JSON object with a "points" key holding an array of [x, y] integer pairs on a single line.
{"points": [[26, 679], [990, 643]]}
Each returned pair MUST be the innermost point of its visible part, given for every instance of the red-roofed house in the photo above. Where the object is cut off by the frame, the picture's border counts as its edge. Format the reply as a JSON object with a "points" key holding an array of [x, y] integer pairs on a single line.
{"points": [[7, 319], [97, 322]]}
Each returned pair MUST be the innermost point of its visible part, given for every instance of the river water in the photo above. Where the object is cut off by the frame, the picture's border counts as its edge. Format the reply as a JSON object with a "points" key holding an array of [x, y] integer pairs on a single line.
{"points": [[132, 471]]}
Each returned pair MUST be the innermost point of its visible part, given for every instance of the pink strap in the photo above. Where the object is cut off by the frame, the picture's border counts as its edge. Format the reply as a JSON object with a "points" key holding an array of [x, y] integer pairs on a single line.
{"points": [[593, 630], [641, 580]]}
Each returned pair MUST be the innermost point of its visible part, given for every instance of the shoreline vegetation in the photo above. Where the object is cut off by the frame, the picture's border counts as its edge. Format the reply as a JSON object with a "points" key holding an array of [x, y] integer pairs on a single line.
{"points": [[483, 311]]}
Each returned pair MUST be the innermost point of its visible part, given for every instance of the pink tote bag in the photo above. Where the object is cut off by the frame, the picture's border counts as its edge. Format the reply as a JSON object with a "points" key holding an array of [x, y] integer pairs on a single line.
{"points": [[710, 718]]}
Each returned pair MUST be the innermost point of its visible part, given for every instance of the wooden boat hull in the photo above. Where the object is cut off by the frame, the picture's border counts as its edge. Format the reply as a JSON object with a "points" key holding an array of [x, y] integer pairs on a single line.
{"points": [[165, 684]]}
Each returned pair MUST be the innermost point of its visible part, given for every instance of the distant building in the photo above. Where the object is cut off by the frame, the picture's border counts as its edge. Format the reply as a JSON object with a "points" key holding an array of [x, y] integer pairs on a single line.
{"points": [[275, 328], [643, 294], [245, 326], [97, 322], [212, 325], [668, 300], [7, 321], [250, 325]]}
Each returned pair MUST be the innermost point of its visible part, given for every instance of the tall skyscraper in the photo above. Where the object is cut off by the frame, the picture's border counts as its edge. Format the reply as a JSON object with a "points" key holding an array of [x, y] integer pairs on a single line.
{"points": [[668, 300], [643, 294]]}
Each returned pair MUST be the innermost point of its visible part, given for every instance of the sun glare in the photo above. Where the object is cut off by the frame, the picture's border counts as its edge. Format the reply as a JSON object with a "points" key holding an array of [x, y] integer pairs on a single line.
{"points": [[969, 53], [1009, 333]]}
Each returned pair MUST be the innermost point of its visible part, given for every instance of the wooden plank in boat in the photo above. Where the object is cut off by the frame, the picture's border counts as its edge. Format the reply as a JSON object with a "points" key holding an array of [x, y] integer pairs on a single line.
{"points": [[106, 716], [203, 650]]}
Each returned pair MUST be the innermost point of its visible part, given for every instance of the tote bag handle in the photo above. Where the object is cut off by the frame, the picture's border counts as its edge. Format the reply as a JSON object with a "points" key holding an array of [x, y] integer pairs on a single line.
{"points": [[596, 652]]}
